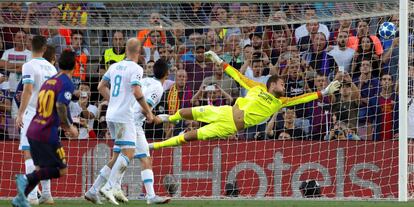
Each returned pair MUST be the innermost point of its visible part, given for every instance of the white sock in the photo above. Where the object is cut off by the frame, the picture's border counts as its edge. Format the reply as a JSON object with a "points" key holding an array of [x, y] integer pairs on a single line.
{"points": [[147, 177], [101, 179], [30, 167], [119, 167], [46, 188], [119, 182]]}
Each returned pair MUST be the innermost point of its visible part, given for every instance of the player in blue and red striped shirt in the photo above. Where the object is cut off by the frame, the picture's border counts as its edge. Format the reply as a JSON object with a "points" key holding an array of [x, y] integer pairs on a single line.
{"points": [[43, 134]]}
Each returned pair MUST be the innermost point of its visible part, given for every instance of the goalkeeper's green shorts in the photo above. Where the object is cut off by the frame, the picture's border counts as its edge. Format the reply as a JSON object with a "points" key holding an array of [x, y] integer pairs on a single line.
{"points": [[220, 119]]}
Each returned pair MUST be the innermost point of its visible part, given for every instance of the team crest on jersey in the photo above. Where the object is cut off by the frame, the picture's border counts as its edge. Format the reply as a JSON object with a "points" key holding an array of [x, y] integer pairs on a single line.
{"points": [[68, 95], [154, 96]]}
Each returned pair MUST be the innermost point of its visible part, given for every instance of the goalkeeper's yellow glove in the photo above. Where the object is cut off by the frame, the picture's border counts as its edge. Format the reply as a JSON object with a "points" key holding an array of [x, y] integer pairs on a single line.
{"points": [[331, 88]]}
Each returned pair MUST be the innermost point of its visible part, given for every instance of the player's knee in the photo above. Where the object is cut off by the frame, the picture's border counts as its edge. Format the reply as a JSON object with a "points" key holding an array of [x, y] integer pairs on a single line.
{"points": [[113, 160], [146, 163], [129, 152], [63, 172]]}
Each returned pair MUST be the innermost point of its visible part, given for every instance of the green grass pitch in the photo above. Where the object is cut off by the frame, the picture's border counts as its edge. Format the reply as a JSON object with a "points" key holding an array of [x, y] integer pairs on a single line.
{"points": [[241, 203]]}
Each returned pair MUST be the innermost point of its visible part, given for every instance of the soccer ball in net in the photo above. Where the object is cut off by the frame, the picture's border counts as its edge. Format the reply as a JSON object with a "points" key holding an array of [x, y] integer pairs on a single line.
{"points": [[387, 30]]}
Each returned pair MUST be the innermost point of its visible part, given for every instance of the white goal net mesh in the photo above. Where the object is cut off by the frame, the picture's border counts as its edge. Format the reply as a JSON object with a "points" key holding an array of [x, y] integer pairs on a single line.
{"points": [[347, 142]]}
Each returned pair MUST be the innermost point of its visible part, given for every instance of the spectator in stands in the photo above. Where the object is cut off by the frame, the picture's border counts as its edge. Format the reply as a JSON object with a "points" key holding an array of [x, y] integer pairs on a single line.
{"points": [[73, 14], [5, 108], [14, 14], [410, 133], [390, 59], [340, 131], [176, 37], [154, 23], [114, 54], [223, 81], [80, 71], [244, 11], [341, 53], [256, 39], [213, 41], [55, 38], [232, 51], [273, 131], [211, 95], [366, 50], [55, 20], [83, 113], [102, 126], [195, 39], [345, 25], [245, 31], [280, 30], [149, 69], [383, 111], [12, 61], [279, 49], [362, 30], [166, 53], [151, 52], [311, 28], [177, 97], [2, 47], [193, 14], [198, 70], [318, 58], [318, 111], [345, 107], [28, 43]]}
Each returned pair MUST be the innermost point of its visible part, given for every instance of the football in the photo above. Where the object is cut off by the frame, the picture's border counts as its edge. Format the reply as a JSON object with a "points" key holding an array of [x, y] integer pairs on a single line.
{"points": [[387, 30], [170, 184]]}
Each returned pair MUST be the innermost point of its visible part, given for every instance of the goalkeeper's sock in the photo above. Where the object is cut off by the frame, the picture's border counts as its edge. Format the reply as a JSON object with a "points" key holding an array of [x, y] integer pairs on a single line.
{"points": [[171, 142], [101, 179], [46, 188], [176, 117], [147, 177], [29, 168], [119, 167]]}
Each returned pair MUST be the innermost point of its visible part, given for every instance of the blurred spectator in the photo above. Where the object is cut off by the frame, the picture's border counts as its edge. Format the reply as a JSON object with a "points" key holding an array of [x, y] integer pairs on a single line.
{"points": [[342, 54], [2, 47], [362, 30], [345, 107], [83, 113], [318, 58], [279, 49], [151, 52], [28, 43], [176, 37], [340, 131], [12, 61], [244, 11], [102, 128], [195, 40], [80, 71], [55, 20], [211, 95], [14, 14], [223, 81], [311, 28], [213, 42], [245, 31], [73, 14], [177, 97], [280, 30], [366, 51], [194, 15], [166, 53], [149, 69], [232, 51], [256, 71], [390, 59], [114, 54], [154, 24], [345, 25], [383, 111], [273, 131], [55, 38], [5, 108], [318, 111], [410, 133], [198, 70]]}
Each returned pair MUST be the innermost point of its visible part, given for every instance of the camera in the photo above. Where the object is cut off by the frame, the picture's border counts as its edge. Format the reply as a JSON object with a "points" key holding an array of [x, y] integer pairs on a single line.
{"points": [[83, 94]]}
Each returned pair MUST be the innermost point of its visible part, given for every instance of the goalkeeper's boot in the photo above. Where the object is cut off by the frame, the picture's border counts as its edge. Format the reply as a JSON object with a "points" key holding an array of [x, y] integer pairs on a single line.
{"points": [[158, 200], [93, 197], [46, 199], [109, 195], [119, 196]]}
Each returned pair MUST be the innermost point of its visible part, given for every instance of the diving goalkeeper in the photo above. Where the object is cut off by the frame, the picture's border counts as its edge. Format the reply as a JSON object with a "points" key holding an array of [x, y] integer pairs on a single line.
{"points": [[260, 103]]}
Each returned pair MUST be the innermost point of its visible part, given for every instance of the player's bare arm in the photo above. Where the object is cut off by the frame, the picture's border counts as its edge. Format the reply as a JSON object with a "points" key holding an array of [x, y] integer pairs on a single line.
{"points": [[103, 89], [64, 120], [146, 110]]}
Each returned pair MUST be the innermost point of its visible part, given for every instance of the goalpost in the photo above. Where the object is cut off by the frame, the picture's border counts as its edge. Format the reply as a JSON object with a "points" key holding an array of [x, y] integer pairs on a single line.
{"points": [[270, 160]]}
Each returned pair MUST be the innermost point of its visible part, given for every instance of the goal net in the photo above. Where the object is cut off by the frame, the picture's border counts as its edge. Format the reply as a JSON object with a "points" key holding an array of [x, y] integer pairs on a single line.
{"points": [[347, 142]]}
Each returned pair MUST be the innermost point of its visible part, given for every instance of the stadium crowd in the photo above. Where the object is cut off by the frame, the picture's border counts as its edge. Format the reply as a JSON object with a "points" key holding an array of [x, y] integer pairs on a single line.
{"points": [[309, 56]]}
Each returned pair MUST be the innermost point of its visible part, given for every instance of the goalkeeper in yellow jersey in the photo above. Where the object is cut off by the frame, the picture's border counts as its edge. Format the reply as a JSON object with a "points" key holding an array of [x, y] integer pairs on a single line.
{"points": [[260, 103]]}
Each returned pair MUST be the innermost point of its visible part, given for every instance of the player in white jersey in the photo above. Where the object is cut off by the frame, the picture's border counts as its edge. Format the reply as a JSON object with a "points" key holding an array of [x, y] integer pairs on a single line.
{"points": [[124, 78], [153, 91], [34, 74]]}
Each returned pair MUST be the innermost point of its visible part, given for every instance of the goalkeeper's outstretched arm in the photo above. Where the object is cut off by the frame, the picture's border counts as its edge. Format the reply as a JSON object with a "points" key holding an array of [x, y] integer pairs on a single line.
{"points": [[232, 72]]}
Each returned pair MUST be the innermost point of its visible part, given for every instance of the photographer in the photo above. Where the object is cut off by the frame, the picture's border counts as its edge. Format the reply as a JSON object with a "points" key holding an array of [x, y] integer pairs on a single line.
{"points": [[83, 113]]}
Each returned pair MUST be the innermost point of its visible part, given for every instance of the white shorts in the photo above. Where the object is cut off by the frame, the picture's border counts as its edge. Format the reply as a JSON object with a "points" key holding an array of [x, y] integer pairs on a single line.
{"points": [[124, 134], [24, 143], [141, 148]]}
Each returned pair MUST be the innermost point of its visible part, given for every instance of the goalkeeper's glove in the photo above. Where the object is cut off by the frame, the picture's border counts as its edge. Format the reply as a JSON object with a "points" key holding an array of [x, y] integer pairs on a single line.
{"points": [[331, 88], [213, 57]]}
